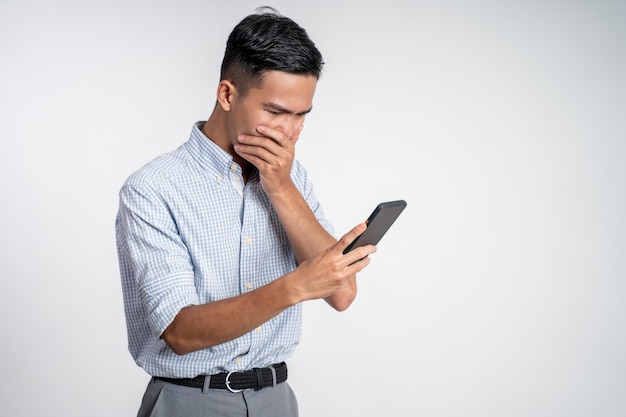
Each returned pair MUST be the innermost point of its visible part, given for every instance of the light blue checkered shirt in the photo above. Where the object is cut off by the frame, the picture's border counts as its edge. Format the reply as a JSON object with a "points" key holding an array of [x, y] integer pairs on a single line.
{"points": [[190, 232]]}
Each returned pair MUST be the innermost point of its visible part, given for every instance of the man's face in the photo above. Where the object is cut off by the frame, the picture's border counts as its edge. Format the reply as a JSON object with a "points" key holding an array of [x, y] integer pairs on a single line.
{"points": [[281, 103]]}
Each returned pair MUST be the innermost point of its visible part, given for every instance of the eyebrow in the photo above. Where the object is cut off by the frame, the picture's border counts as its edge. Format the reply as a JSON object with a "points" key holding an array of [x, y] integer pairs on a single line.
{"points": [[281, 109]]}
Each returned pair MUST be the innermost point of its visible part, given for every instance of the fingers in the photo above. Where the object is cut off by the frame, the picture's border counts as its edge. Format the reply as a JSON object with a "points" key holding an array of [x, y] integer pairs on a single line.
{"points": [[254, 153], [271, 143], [324, 274], [358, 254], [281, 137], [351, 235], [250, 141], [271, 140]]}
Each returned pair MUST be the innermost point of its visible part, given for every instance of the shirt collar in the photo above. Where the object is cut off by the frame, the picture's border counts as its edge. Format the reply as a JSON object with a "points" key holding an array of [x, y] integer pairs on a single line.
{"points": [[205, 151], [209, 155]]}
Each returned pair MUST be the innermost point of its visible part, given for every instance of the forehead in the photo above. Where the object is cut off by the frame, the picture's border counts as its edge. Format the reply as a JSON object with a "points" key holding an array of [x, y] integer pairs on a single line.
{"points": [[291, 91]]}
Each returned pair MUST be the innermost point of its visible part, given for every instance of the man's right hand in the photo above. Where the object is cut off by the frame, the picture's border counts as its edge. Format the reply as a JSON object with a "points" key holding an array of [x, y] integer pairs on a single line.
{"points": [[324, 274]]}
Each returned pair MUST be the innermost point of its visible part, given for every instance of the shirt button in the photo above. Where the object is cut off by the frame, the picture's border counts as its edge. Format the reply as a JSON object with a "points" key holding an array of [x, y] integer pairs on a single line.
{"points": [[248, 240], [248, 285], [219, 178], [238, 361], [258, 329], [233, 167]]}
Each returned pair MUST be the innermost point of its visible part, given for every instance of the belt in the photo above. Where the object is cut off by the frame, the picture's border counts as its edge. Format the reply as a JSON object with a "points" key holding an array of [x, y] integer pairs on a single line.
{"points": [[256, 379]]}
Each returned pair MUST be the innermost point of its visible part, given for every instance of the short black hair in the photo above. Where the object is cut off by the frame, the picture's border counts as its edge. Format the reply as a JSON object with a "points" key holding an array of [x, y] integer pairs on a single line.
{"points": [[268, 41]]}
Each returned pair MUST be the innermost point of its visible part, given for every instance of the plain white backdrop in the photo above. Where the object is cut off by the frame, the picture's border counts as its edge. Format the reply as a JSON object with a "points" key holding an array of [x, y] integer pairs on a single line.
{"points": [[499, 292]]}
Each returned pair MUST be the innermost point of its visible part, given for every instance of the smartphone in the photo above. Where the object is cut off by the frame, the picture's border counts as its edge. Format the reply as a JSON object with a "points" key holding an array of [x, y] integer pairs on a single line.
{"points": [[378, 223]]}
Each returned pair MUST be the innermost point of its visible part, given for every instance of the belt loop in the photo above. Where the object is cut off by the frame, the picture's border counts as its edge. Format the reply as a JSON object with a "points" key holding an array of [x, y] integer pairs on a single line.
{"points": [[259, 379], [273, 375], [207, 382]]}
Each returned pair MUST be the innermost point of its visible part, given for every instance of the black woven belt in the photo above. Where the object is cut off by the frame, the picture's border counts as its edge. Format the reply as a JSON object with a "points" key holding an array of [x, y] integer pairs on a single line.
{"points": [[255, 379]]}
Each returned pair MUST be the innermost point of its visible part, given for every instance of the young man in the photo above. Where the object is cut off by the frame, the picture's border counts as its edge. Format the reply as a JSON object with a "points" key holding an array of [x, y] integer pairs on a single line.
{"points": [[221, 240]]}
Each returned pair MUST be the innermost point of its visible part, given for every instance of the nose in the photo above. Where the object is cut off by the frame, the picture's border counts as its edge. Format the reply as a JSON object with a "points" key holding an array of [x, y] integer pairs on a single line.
{"points": [[290, 125]]}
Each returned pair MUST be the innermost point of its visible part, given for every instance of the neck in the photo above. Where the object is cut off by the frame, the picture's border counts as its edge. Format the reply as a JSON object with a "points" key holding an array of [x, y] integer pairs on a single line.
{"points": [[217, 130]]}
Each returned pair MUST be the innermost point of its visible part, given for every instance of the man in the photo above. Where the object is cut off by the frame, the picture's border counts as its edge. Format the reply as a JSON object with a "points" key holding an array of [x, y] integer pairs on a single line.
{"points": [[221, 240]]}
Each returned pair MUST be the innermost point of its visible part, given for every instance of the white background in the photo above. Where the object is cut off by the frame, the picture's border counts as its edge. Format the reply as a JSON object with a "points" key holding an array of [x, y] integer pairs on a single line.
{"points": [[499, 292]]}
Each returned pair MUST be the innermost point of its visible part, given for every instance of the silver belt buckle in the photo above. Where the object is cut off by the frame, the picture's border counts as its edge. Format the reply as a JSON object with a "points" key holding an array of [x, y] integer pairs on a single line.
{"points": [[228, 384]]}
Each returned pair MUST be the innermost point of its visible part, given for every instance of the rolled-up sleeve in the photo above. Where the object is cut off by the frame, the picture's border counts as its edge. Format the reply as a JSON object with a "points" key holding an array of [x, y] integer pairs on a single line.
{"points": [[158, 272]]}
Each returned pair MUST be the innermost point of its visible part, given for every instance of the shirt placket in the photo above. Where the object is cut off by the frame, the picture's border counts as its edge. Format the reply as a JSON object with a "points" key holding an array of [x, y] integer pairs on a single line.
{"points": [[251, 249]]}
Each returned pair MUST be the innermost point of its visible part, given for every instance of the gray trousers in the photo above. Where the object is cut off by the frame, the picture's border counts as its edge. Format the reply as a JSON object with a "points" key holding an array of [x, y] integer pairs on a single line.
{"points": [[164, 399]]}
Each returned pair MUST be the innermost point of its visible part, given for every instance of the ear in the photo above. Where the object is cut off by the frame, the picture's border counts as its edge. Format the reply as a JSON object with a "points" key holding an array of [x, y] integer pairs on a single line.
{"points": [[226, 93]]}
